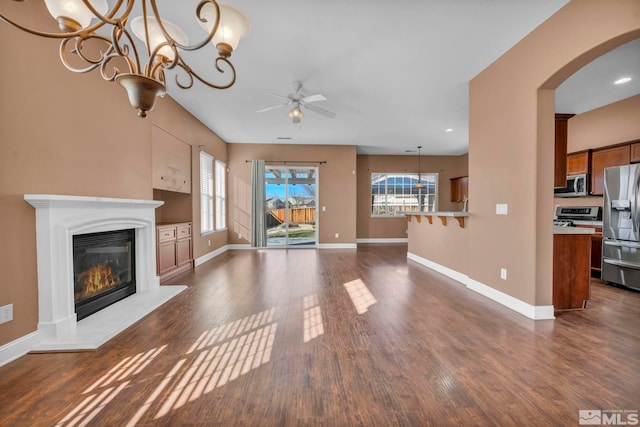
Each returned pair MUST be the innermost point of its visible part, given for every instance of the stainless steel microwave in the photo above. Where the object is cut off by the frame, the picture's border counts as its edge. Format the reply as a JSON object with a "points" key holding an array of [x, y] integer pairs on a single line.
{"points": [[577, 186]]}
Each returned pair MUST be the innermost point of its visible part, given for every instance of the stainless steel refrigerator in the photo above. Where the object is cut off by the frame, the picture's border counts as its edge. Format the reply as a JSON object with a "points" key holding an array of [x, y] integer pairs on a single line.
{"points": [[621, 226]]}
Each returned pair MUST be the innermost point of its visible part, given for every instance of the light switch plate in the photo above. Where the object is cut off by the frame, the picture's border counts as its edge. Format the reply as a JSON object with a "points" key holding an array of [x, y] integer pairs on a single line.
{"points": [[502, 209]]}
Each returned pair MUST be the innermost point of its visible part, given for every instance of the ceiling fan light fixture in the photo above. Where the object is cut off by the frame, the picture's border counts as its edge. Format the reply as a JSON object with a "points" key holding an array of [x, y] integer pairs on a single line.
{"points": [[296, 114]]}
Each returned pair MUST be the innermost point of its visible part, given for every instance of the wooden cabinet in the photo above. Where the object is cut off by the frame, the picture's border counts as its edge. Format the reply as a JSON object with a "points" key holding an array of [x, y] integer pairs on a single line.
{"points": [[174, 252], [571, 271], [170, 162], [596, 253], [578, 162], [604, 158], [635, 152], [459, 189], [560, 165]]}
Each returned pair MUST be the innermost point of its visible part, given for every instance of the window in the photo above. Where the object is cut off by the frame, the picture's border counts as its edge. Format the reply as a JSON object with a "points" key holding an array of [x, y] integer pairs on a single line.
{"points": [[392, 194], [221, 196], [206, 193]]}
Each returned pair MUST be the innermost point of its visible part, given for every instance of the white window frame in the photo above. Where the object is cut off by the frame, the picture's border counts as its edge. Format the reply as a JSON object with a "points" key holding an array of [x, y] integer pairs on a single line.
{"points": [[206, 193], [220, 196], [397, 204]]}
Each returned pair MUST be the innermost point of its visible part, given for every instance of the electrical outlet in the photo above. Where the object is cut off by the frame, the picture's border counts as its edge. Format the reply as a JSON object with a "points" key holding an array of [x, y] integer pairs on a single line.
{"points": [[240, 236], [503, 273], [337, 235], [324, 209], [502, 209], [209, 242], [6, 313]]}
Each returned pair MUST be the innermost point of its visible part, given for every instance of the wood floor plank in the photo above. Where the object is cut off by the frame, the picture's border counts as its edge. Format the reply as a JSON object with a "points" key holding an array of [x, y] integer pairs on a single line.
{"points": [[336, 338]]}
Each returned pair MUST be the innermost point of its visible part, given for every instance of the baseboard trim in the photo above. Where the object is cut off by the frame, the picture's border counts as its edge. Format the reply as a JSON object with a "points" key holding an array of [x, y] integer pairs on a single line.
{"points": [[18, 348], [338, 246], [211, 255], [384, 240], [241, 246], [542, 312]]}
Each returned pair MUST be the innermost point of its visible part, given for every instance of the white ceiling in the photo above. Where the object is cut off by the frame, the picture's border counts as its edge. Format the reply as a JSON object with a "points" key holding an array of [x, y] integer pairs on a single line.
{"points": [[395, 73]]}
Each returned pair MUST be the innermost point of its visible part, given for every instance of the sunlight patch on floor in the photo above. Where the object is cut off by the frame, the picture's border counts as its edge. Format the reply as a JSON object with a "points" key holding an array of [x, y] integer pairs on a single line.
{"points": [[249, 345], [360, 295], [313, 324]]}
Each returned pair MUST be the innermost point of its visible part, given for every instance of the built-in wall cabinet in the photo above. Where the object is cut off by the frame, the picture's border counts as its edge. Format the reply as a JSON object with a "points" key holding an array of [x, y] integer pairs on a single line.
{"points": [[459, 189], [174, 250], [170, 162]]}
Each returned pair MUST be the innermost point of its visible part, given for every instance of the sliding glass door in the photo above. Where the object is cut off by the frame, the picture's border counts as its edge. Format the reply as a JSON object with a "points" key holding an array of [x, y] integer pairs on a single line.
{"points": [[291, 206]]}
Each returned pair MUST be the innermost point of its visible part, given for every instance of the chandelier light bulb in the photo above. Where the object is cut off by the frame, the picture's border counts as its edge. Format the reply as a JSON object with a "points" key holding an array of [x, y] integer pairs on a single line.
{"points": [[75, 10], [156, 37], [233, 26]]}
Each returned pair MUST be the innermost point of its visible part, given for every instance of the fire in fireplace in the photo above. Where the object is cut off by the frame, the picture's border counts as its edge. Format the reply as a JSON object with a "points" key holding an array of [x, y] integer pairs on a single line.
{"points": [[103, 269]]}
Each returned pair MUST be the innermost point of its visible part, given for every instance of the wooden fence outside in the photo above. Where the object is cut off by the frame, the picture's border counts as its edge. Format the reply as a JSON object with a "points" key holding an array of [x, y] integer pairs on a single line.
{"points": [[297, 215]]}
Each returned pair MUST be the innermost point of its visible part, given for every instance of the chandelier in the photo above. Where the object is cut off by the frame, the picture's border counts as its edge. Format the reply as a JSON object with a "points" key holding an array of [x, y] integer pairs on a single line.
{"points": [[96, 37]]}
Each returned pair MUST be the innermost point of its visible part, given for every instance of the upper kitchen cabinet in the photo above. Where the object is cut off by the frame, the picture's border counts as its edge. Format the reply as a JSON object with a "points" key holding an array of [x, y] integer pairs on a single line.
{"points": [[635, 152], [459, 189], [170, 162], [604, 158], [578, 162], [560, 165]]}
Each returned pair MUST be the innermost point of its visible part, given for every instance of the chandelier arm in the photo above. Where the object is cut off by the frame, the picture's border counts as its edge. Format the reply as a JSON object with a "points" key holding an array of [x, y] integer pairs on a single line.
{"points": [[109, 17], [80, 46], [206, 82], [122, 50], [189, 74], [172, 41], [77, 50]]}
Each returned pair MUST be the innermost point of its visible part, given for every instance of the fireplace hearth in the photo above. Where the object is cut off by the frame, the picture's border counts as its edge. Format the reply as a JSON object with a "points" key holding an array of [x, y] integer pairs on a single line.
{"points": [[104, 269]]}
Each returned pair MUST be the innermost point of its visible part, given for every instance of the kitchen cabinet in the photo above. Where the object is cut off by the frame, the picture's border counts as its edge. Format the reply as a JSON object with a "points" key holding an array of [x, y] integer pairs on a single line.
{"points": [[170, 162], [578, 162], [174, 249], [459, 189], [571, 271], [604, 158], [560, 165], [635, 152]]}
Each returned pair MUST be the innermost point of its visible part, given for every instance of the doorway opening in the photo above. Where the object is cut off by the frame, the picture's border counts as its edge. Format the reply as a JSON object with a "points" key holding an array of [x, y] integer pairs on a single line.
{"points": [[290, 206]]}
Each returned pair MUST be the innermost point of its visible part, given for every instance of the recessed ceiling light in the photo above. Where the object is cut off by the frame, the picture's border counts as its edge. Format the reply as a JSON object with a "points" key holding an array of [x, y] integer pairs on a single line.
{"points": [[448, 130], [622, 80]]}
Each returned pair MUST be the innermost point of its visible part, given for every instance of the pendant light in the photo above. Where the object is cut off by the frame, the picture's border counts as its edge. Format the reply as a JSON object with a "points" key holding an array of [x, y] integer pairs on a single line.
{"points": [[419, 185]]}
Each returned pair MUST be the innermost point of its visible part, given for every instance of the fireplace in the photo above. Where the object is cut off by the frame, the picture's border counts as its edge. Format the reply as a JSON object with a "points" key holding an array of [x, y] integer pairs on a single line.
{"points": [[60, 221], [104, 269]]}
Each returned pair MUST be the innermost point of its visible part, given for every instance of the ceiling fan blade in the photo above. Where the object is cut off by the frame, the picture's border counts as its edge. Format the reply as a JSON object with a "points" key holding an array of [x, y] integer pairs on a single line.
{"points": [[271, 108], [319, 110], [278, 95], [314, 98]]}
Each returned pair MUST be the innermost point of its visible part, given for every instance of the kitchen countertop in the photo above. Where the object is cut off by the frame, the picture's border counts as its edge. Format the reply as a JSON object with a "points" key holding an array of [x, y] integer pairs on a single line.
{"points": [[591, 223], [443, 213], [573, 230]]}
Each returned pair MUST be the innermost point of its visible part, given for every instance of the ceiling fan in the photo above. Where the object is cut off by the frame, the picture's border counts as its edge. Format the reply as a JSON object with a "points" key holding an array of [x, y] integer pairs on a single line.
{"points": [[297, 99]]}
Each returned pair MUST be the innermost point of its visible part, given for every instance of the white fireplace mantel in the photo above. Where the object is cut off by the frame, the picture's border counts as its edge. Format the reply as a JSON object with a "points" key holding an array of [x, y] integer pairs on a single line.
{"points": [[58, 219]]}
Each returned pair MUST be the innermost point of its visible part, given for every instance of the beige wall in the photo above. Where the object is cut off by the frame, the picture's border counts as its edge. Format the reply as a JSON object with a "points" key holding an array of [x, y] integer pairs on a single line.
{"points": [[73, 134], [337, 190], [511, 120], [445, 245], [446, 167]]}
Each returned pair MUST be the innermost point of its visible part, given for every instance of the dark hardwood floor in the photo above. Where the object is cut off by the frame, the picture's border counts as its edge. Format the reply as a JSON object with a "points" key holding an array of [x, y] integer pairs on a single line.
{"points": [[337, 338]]}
